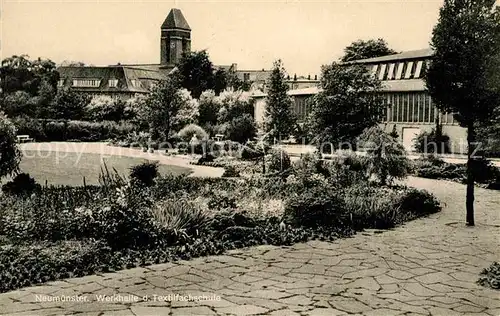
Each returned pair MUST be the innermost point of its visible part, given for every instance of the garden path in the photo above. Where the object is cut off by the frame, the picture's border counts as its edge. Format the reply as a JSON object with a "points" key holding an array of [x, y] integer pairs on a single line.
{"points": [[426, 267], [106, 150]]}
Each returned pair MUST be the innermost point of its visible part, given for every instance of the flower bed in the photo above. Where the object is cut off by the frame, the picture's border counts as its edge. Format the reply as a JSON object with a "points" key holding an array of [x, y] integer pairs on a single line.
{"points": [[120, 225], [486, 175]]}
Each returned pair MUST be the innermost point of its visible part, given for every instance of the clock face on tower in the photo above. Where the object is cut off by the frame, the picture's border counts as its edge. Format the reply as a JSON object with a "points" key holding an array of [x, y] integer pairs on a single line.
{"points": [[172, 45]]}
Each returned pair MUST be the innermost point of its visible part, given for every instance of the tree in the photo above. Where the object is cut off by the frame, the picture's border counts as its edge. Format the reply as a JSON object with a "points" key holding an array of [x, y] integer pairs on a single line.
{"points": [[28, 86], [463, 77], [279, 118], [196, 73], [68, 105], [105, 108], [361, 49], [187, 110], [233, 103], [348, 104], [10, 155], [161, 106], [241, 129], [209, 107]]}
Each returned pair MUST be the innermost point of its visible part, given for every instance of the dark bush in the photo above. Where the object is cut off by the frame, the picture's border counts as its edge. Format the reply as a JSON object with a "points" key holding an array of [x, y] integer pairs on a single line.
{"points": [[205, 158], [241, 128], [222, 200], [230, 172], [31, 127], [22, 184], [278, 161], [248, 153], [144, 173], [418, 202], [434, 141], [314, 207]]}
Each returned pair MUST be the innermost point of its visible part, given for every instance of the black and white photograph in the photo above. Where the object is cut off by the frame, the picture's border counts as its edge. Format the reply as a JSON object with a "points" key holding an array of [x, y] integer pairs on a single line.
{"points": [[250, 157]]}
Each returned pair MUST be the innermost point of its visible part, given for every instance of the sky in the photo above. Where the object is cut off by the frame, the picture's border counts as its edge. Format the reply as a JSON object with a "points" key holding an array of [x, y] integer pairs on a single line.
{"points": [[304, 34]]}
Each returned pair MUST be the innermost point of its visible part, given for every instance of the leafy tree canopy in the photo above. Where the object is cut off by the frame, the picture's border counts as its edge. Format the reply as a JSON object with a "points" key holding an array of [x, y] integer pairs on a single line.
{"points": [[463, 77], [347, 104], [361, 49], [196, 73]]}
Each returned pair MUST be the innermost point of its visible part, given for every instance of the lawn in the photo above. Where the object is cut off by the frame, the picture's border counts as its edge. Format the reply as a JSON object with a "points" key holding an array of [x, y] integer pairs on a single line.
{"points": [[62, 168]]}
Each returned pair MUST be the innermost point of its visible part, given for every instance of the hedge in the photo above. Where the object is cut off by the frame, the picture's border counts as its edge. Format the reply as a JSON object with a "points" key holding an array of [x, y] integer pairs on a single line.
{"points": [[54, 130]]}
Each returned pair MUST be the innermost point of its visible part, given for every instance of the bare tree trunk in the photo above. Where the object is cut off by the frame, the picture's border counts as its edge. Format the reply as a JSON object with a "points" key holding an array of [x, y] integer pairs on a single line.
{"points": [[471, 138]]}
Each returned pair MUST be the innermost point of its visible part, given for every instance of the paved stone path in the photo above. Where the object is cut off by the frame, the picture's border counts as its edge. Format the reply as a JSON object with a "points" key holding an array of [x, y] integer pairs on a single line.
{"points": [[105, 150], [426, 267]]}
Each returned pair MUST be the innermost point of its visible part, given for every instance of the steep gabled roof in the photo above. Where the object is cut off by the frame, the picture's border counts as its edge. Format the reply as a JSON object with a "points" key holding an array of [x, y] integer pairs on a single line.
{"points": [[175, 20]]}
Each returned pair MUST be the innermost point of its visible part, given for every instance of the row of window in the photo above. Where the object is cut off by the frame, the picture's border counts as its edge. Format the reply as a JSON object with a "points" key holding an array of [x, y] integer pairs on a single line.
{"points": [[413, 108], [94, 83], [89, 83], [401, 70], [410, 107]]}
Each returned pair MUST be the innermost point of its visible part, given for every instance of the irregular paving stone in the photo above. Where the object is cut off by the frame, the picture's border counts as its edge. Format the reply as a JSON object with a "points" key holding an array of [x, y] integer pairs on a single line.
{"points": [[400, 274], [436, 277], [241, 310], [284, 312], [349, 305], [324, 312], [183, 311]]}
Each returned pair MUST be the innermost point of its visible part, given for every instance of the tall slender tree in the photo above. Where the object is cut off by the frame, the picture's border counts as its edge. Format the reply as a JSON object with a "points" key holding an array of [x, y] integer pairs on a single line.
{"points": [[463, 75], [279, 119]]}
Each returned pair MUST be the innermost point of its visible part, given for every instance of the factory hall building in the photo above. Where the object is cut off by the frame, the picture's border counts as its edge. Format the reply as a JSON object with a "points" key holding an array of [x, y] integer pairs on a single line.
{"points": [[408, 106]]}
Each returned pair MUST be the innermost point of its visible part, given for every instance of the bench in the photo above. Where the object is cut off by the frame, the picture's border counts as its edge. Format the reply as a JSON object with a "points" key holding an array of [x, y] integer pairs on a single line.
{"points": [[24, 138]]}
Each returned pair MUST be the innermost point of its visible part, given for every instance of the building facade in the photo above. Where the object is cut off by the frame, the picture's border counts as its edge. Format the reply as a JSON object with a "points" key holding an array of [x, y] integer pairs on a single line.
{"points": [[408, 106], [126, 80]]}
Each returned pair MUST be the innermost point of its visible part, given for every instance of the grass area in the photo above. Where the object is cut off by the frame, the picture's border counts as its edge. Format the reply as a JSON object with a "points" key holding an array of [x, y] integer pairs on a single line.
{"points": [[61, 168]]}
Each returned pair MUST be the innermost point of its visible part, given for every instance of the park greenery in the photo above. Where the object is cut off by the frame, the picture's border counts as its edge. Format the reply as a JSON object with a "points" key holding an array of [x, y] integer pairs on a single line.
{"points": [[137, 216], [49, 232], [462, 77]]}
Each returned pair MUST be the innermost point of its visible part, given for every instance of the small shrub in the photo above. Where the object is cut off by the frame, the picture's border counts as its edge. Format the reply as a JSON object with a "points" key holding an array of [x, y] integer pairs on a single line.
{"points": [[187, 133], [432, 142], [180, 215], [230, 172], [348, 169], [278, 161], [386, 157], [490, 277], [22, 184], [371, 207], [221, 200], [418, 202], [144, 173], [248, 153], [314, 208], [205, 159]]}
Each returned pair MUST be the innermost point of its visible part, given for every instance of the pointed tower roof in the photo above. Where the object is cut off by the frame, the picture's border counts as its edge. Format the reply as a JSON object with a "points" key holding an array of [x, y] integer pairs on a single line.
{"points": [[175, 20]]}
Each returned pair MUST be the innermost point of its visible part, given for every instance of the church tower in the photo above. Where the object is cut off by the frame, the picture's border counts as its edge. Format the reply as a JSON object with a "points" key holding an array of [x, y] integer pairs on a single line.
{"points": [[175, 37]]}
